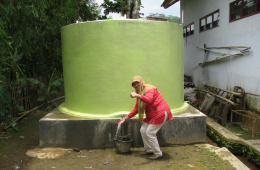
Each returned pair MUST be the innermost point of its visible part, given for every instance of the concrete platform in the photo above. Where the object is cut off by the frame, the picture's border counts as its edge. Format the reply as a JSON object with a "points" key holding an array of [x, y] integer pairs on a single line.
{"points": [[57, 129]]}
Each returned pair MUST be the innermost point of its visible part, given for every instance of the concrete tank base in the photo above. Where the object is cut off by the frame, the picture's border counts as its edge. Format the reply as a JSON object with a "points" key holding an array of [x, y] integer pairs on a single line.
{"points": [[57, 129]]}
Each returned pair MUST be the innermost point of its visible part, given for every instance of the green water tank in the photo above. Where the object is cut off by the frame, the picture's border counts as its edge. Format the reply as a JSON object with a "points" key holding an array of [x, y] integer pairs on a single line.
{"points": [[101, 57]]}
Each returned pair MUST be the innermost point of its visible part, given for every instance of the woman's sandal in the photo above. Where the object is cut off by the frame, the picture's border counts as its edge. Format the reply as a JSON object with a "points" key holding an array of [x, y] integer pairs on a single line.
{"points": [[145, 153], [155, 157]]}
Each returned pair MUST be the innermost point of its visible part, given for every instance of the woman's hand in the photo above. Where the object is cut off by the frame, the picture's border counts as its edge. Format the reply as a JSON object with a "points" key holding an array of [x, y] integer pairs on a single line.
{"points": [[134, 94], [121, 121]]}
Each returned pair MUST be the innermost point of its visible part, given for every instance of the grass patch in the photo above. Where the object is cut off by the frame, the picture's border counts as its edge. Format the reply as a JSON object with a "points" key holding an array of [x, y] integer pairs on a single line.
{"points": [[242, 132]]}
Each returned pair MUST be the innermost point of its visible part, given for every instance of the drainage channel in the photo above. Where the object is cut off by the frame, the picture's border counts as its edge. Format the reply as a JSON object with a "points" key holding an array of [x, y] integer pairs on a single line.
{"points": [[243, 159]]}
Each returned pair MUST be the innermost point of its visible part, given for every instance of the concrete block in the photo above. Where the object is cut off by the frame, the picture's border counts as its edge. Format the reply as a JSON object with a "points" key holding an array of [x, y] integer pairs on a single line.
{"points": [[57, 129]]}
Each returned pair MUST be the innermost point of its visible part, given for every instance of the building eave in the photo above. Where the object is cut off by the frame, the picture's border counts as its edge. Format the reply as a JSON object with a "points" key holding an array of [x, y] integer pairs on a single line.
{"points": [[167, 3]]}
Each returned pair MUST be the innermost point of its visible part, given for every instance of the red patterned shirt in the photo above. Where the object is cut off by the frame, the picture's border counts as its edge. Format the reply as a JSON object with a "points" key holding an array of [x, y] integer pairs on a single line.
{"points": [[155, 107]]}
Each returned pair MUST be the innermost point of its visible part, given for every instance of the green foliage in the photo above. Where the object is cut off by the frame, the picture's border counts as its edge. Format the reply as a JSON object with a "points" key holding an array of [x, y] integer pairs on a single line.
{"points": [[244, 133], [30, 32], [169, 17], [116, 7], [35, 81], [15, 127], [120, 6], [4, 96], [46, 92], [30, 44], [4, 43]]}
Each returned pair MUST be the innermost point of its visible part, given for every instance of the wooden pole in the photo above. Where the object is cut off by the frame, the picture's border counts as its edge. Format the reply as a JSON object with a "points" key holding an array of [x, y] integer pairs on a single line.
{"points": [[26, 112], [229, 47]]}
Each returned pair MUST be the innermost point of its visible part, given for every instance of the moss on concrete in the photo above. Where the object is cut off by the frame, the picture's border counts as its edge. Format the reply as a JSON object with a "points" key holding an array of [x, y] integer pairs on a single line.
{"points": [[235, 148]]}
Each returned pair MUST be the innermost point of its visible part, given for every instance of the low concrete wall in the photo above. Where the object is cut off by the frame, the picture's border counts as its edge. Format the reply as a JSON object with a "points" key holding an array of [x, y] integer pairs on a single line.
{"points": [[57, 129]]}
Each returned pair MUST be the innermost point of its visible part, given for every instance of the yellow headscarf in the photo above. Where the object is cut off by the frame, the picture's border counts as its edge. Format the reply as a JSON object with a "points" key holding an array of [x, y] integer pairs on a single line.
{"points": [[142, 90]]}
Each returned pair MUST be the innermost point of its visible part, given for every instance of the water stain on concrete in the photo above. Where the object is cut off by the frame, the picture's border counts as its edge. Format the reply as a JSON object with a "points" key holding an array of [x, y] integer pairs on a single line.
{"points": [[46, 153]]}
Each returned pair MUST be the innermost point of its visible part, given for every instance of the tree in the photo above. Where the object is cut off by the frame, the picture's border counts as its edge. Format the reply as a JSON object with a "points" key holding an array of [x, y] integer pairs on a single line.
{"points": [[92, 10], [174, 19], [30, 42], [169, 17], [130, 8], [32, 28]]}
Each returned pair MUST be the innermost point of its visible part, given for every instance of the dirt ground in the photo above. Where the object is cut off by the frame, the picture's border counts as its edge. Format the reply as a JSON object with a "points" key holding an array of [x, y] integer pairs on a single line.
{"points": [[16, 146]]}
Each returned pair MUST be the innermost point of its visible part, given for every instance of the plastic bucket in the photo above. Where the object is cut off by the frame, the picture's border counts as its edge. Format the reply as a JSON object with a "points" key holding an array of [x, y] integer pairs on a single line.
{"points": [[123, 144]]}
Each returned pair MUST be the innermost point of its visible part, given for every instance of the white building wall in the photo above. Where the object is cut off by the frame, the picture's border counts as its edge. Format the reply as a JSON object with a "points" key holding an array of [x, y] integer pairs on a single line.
{"points": [[241, 71]]}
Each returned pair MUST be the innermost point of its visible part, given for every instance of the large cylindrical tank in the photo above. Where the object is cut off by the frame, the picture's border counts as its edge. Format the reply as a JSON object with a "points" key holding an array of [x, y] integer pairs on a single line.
{"points": [[101, 57]]}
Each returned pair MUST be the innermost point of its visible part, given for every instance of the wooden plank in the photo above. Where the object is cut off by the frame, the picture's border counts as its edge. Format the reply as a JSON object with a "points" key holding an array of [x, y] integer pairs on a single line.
{"points": [[235, 93], [229, 47], [234, 104], [25, 113], [211, 50], [221, 57]]}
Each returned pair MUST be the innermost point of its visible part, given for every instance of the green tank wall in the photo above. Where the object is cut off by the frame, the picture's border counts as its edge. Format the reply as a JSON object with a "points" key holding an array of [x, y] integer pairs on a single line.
{"points": [[101, 57]]}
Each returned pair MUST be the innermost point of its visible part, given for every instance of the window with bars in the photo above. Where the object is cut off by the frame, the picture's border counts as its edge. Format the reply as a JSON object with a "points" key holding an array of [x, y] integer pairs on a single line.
{"points": [[209, 21], [188, 30], [243, 8]]}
